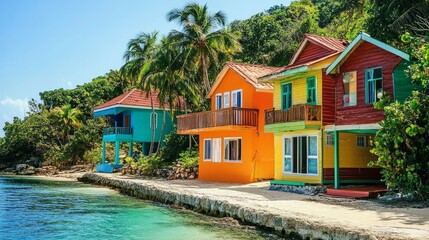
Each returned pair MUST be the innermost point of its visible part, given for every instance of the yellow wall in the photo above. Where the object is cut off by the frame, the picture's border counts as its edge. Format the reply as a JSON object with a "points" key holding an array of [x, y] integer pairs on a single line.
{"points": [[278, 156], [299, 88], [351, 156]]}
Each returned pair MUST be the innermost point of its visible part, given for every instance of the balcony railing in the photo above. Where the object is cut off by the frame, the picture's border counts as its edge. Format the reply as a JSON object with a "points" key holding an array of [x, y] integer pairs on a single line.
{"points": [[296, 113], [118, 130], [218, 118]]}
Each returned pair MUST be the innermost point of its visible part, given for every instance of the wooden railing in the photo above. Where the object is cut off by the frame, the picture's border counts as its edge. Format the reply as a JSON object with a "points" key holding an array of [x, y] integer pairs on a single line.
{"points": [[117, 130], [296, 113], [217, 118]]}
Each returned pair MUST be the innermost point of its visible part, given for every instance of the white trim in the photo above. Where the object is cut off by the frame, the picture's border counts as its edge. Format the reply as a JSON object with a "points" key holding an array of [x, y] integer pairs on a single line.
{"points": [[240, 149], [290, 136], [241, 97], [125, 106], [229, 99], [375, 126]]}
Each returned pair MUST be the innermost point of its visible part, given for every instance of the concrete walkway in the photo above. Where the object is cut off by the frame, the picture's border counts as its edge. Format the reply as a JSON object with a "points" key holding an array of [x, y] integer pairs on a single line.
{"points": [[353, 215]]}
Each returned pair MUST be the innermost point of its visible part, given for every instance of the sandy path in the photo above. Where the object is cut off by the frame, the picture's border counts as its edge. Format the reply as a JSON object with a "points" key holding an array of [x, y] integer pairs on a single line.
{"points": [[402, 222]]}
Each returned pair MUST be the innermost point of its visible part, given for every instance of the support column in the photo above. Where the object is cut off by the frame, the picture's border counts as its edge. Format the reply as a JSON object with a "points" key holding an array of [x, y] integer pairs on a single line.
{"points": [[130, 151], [116, 152], [336, 160], [103, 153]]}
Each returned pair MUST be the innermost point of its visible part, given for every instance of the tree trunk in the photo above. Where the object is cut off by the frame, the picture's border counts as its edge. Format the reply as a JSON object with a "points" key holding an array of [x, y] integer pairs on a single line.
{"points": [[190, 136], [162, 130]]}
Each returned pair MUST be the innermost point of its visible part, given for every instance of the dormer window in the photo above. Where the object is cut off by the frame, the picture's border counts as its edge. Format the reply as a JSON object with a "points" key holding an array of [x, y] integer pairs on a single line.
{"points": [[349, 88]]}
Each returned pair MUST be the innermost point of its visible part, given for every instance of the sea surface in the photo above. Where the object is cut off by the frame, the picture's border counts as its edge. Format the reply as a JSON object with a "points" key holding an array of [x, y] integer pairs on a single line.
{"points": [[40, 208]]}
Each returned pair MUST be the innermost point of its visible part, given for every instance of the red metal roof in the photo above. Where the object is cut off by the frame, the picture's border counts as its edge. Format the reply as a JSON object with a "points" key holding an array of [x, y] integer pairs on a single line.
{"points": [[135, 97], [334, 45]]}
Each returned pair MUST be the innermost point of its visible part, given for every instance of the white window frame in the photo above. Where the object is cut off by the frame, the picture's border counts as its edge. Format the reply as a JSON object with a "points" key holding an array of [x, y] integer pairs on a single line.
{"points": [[226, 100], [329, 139], [232, 97], [365, 141], [152, 119], [204, 150], [289, 156], [292, 152], [239, 150], [217, 103]]}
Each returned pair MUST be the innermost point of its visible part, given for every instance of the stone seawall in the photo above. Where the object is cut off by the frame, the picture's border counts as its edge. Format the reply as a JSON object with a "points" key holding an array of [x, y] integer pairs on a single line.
{"points": [[301, 227]]}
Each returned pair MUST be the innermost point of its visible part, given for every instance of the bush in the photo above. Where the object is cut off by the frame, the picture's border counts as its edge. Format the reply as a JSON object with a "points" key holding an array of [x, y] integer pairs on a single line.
{"points": [[402, 144], [174, 144], [93, 156], [189, 158]]}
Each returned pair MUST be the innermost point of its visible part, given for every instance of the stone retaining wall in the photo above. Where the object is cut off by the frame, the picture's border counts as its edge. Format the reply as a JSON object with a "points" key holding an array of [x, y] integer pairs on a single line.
{"points": [[285, 225]]}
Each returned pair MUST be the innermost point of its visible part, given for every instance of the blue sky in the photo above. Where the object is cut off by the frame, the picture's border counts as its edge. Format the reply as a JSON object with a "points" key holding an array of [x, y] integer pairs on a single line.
{"points": [[50, 44]]}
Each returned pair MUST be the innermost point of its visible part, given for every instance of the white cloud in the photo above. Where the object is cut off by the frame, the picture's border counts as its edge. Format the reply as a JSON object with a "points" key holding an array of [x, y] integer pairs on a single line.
{"points": [[70, 84], [20, 104]]}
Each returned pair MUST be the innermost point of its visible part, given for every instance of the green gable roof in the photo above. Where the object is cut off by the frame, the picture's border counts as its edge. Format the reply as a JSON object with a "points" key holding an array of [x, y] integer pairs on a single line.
{"points": [[333, 68]]}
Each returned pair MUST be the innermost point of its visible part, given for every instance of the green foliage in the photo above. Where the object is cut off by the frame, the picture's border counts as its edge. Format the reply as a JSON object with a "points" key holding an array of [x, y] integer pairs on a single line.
{"points": [[402, 144], [174, 144], [93, 155], [189, 158]]}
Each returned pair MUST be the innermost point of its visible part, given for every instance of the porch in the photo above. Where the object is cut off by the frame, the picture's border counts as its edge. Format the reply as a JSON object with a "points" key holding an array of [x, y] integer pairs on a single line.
{"points": [[227, 118], [297, 117]]}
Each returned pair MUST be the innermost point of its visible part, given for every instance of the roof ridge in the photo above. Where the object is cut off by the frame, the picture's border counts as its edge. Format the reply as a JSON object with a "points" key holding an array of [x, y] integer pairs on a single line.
{"points": [[251, 64], [125, 97]]}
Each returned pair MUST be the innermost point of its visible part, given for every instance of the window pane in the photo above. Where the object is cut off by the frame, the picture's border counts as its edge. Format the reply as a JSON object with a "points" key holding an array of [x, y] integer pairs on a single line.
{"points": [[295, 155], [377, 73], [312, 165], [303, 154], [312, 146], [288, 146], [287, 164]]}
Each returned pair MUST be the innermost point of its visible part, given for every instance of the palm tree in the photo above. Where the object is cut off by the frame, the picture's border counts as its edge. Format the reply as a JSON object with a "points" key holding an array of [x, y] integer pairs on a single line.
{"points": [[139, 57], [168, 78], [67, 118], [204, 38]]}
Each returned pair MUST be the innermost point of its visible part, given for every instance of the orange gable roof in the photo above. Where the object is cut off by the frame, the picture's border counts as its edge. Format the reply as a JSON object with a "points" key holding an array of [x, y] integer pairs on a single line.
{"points": [[249, 72], [135, 97]]}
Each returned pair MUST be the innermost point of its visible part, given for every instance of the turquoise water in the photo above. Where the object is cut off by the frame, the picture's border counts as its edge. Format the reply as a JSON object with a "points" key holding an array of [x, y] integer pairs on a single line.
{"points": [[37, 208]]}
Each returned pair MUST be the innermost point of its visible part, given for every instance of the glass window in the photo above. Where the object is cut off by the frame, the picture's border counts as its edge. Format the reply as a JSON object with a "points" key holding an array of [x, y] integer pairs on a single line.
{"points": [[237, 98], [300, 155], [349, 88], [218, 101], [216, 150], [373, 85], [226, 99], [207, 149], [233, 150], [286, 96], [311, 91], [362, 141], [329, 140]]}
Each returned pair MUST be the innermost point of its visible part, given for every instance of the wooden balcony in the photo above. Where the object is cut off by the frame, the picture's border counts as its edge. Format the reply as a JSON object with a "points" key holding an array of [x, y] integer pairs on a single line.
{"points": [[303, 113], [194, 122]]}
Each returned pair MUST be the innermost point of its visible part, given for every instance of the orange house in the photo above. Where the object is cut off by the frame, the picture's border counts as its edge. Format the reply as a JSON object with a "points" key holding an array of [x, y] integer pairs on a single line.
{"points": [[232, 143]]}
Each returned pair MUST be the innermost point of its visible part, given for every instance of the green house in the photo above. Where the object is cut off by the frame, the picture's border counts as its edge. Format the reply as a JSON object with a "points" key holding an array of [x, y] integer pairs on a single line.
{"points": [[133, 120]]}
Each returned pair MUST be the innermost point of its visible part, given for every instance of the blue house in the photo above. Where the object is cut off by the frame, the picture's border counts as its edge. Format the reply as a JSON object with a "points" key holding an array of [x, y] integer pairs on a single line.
{"points": [[133, 120]]}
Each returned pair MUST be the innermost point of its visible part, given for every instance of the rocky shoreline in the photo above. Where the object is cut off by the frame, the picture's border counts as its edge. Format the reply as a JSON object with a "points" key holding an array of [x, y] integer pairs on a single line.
{"points": [[285, 225]]}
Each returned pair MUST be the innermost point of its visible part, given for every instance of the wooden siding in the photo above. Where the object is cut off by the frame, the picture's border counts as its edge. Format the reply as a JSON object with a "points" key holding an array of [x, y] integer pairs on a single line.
{"points": [[311, 52], [364, 57], [403, 86], [328, 98]]}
